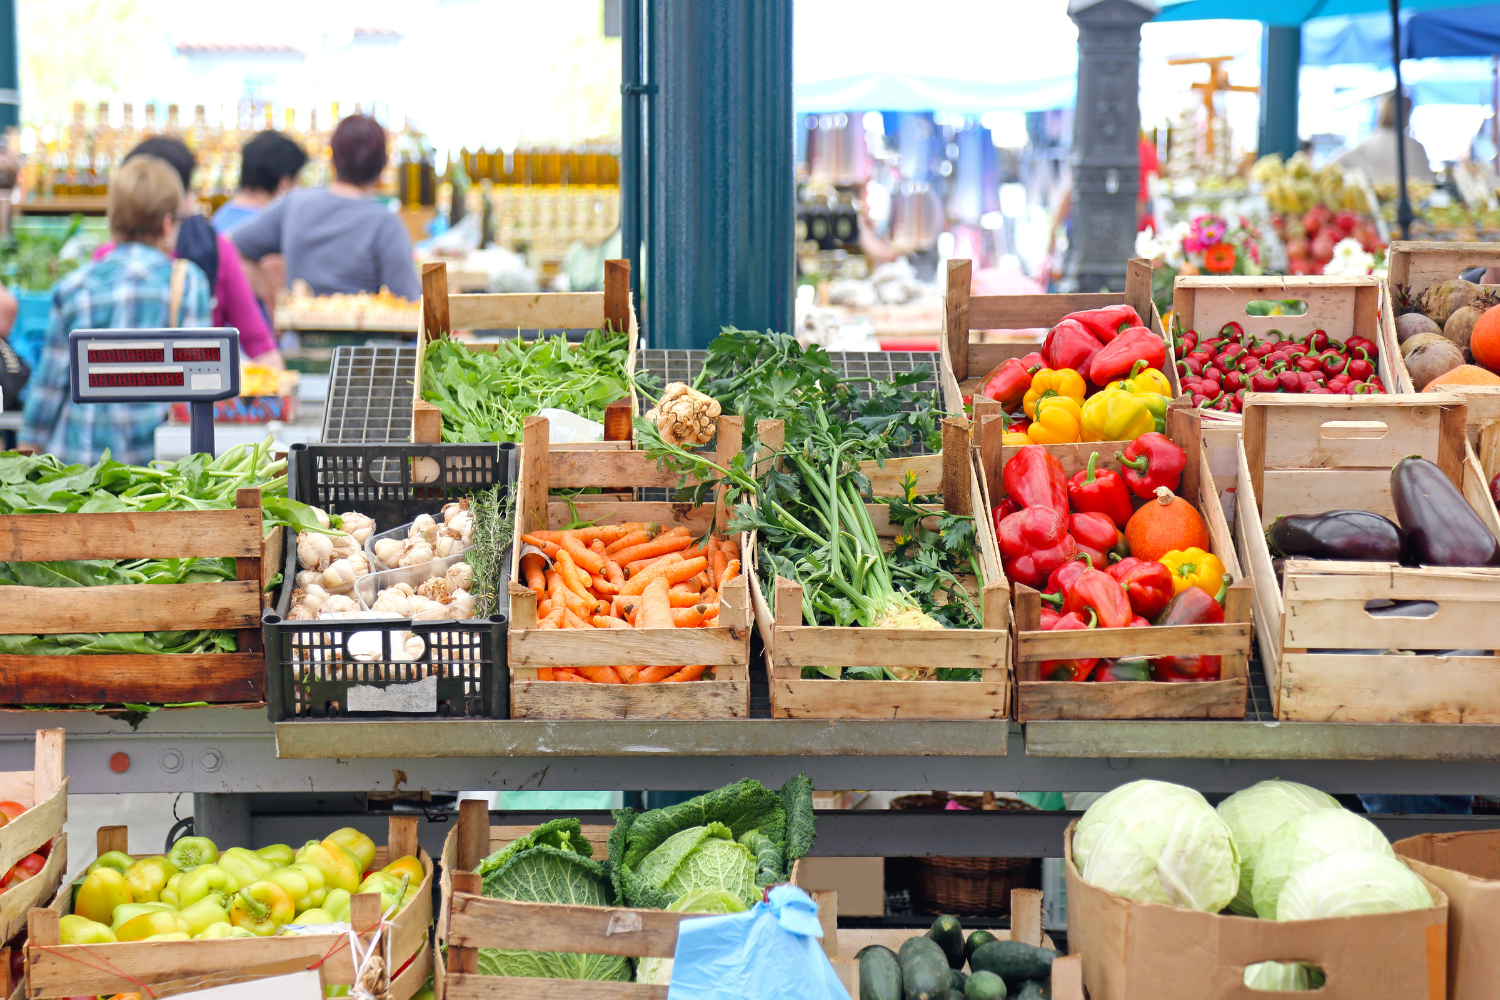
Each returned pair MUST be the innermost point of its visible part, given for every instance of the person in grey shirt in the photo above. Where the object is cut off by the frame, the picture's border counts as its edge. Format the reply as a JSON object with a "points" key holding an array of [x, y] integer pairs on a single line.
{"points": [[336, 238]]}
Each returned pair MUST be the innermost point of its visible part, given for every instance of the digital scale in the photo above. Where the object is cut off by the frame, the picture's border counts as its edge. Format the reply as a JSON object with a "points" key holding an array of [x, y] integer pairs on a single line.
{"points": [[194, 366]]}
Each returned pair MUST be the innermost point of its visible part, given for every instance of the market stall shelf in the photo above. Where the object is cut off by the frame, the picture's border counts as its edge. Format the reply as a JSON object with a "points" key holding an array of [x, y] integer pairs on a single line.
{"points": [[1415, 266], [1310, 455], [531, 649], [1039, 699], [792, 645], [229, 678], [610, 309], [56, 970]]}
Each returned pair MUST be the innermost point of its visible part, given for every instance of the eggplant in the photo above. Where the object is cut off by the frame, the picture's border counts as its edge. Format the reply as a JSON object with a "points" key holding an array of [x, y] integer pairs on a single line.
{"points": [[1441, 528], [1358, 535]]}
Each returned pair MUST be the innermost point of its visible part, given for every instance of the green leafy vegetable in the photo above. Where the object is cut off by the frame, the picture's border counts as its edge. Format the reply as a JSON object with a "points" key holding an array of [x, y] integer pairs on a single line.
{"points": [[486, 395], [30, 258], [702, 857]]}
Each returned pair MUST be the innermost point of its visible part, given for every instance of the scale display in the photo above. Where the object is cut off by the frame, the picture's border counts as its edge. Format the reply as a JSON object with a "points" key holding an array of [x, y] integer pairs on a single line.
{"points": [[154, 366]]}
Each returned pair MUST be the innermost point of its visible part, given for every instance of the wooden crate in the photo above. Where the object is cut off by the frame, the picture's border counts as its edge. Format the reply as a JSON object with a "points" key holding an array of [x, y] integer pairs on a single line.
{"points": [[44, 791], [725, 647], [791, 644], [1415, 265], [468, 921], [965, 362], [1304, 455], [232, 678], [55, 970], [442, 313], [1221, 699]]}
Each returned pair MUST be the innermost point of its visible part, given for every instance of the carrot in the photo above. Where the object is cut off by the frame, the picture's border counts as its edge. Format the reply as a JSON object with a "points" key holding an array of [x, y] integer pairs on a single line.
{"points": [[597, 546], [620, 607], [580, 554], [656, 609], [730, 572], [700, 581], [638, 537], [573, 621], [633, 568], [538, 537], [601, 675], [613, 574], [583, 607], [688, 617], [716, 564], [544, 673], [710, 614], [628, 674], [671, 572], [546, 545], [534, 569], [730, 550], [568, 674], [682, 596], [650, 675], [571, 578], [686, 674], [543, 609], [659, 546], [609, 621], [554, 618]]}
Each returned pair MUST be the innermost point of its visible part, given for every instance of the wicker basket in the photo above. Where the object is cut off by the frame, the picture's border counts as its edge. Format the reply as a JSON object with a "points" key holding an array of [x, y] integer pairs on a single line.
{"points": [[972, 886]]}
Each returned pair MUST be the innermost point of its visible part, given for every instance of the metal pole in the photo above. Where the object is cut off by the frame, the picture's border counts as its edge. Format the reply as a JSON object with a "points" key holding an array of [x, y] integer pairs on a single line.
{"points": [[1495, 109], [1282, 59], [632, 176], [10, 68], [201, 428], [1404, 214]]}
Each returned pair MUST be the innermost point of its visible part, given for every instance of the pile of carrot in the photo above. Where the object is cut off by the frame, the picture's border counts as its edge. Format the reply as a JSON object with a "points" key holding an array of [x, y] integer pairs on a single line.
{"points": [[627, 576]]}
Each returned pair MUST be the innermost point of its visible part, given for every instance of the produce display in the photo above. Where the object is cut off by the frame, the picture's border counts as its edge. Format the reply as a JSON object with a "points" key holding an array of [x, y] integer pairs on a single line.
{"points": [[1449, 334], [485, 395], [1098, 377], [626, 576], [1219, 370], [1313, 211], [195, 891], [711, 854], [1277, 850], [931, 967]]}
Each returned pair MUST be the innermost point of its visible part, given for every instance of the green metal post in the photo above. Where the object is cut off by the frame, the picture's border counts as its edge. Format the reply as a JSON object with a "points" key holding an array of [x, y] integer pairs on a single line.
{"points": [[1282, 65], [10, 68]]}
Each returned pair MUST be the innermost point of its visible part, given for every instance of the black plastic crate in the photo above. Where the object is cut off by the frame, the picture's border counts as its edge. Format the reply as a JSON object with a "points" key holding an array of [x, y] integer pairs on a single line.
{"points": [[312, 670]]}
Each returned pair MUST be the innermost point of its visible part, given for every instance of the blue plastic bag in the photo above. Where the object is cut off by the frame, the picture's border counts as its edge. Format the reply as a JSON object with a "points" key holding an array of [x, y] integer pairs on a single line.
{"points": [[770, 952]]}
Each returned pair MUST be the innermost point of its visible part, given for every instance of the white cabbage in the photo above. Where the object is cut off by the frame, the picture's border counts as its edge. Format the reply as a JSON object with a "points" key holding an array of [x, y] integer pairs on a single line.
{"points": [[1304, 840], [1349, 883], [1122, 800], [1253, 814], [1286, 976]]}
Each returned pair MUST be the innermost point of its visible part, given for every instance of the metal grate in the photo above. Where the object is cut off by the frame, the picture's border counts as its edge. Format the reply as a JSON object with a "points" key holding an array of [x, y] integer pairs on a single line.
{"points": [[1258, 707], [369, 395]]}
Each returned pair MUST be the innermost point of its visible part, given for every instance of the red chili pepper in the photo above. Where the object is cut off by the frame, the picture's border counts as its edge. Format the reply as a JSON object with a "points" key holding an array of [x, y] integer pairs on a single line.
{"points": [[1371, 349], [1495, 489], [1138, 622], [1213, 372], [1035, 478], [1069, 670], [1360, 366], [1232, 331], [1095, 534], [1062, 578], [1107, 322], [1375, 383], [1070, 344], [1289, 381], [1097, 591], [1202, 356], [1239, 400], [1116, 358], [1007, 383], [1307, 363], [1150, 462], [1033, 543], [1264, 381], [1316, 341], [1188, 608], [1222, 404], [1148, 584], [1358, 389], [1250, 363], [1338, 382], [1192, 365], [1233, 381], [1263, 348], [1211, 387], [1186, 343], [1101, 490], [1332, 362]]}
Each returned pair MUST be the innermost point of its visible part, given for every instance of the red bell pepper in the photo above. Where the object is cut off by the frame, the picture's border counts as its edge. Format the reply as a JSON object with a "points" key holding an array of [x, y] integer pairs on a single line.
{"points": [[1049, 618], [1116, 358], [1033, 543], [1136, 668], [1108, 322], [1097, 536], [1101, 490], [1193, 606], [1070, 670], [1062, 578], [1152, 461], [1102, 594], [1035, 478], [1010, 379], [1136, 621], [1148, 585], [1070, 344]]}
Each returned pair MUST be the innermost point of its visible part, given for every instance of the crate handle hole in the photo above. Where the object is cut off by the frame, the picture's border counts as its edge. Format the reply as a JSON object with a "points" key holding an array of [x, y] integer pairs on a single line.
{"points": [[1276, 307], [1284, 978], [425, 470], [1414, 610], [1356, 430]]}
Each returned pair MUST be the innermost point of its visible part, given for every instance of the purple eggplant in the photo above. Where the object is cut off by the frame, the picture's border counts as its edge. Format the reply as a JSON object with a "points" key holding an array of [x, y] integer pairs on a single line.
{"points": [[1336, 534], [1441, 528]]}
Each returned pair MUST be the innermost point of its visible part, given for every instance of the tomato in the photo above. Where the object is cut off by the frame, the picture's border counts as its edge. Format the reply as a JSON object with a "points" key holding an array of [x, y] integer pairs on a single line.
{"points": [[10, 809], [22, 870]]}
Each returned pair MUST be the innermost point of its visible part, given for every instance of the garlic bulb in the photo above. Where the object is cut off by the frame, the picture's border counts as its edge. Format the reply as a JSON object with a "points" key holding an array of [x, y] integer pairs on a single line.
{"points": [[360, 563], [339, 576], [404, 587], [394, 601], [358, 525], [462, 604], [423, 527], [413, 647], [436, 589], [338, 604], [452, 510], [344, 545], [300, 613], [322, 516], [308, 577], [460, 576], [416, 554], [447, 545], [314, 551], [460, 525], [313, 598], [426, 610], [388, 550]]}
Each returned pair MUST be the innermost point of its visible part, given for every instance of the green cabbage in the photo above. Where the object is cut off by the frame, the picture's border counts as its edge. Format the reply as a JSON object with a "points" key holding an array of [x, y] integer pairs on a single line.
{"points": [[658, 971], [1156, 844], [702, 857], [1253, 814], [551, 864], [1304, 839], [1349, 883]]}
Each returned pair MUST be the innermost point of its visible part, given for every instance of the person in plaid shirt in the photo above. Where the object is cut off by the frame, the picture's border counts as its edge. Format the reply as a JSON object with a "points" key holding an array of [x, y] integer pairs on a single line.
{"points": [[130, 289]]}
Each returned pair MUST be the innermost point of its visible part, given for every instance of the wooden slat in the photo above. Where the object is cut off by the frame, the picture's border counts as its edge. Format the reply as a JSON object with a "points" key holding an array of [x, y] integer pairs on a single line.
{"points": [[112, 679], [37, 890], [527, 311], [1325, 687], [956, 316], [42, 821], [1029, 312], [912, 700], [481, 922], [820, 645], [534, 470], [435, 322], [1416, 264], [147, 535], [635, 469], [958, 468], [426, 423], [1159, 640], [631, 647], [468, 986], [1222, 699], [701, 699], [617, 295], [473, 834], [53, 611]]}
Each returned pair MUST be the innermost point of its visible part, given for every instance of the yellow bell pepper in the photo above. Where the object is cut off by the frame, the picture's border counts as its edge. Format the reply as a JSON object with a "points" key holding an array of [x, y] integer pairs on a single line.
{"points": [[1014, 439], [102, 890], [409, 865], [358, 844], [1062, 381], [1058, 421], [1193, 567], [1152, 388], [81, 930], [1115, 415], [148, 877], [150, 924]]}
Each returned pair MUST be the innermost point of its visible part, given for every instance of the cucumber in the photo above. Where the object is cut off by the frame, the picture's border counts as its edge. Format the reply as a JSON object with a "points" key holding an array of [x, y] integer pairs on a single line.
{"points": [[958, 979], [924, 970], [976, 940], [984, 986], [949, 934], [1035, 989], [954, 995], [879, 973], [1013, 961]]}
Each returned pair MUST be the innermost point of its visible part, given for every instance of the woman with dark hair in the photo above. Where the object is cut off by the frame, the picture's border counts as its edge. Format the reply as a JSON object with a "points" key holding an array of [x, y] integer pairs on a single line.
{"points": [[233, 300], [269, 165], [337, 239]]}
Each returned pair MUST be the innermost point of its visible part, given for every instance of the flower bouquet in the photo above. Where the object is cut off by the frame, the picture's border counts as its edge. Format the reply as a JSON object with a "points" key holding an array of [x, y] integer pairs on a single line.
{"points": [[1209, 244]]}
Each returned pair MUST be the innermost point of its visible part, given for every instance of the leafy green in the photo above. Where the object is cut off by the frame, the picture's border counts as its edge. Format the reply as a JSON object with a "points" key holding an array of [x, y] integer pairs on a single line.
{"points": [[551, 864], [745, 807], [72, 644], [702, 857], [30, 259], [486, 395]]}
